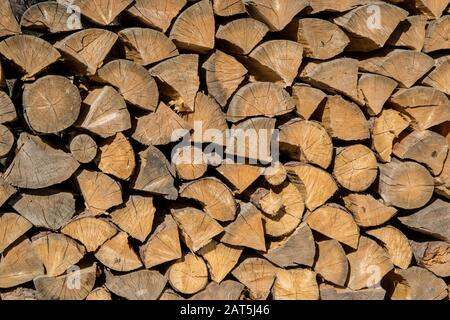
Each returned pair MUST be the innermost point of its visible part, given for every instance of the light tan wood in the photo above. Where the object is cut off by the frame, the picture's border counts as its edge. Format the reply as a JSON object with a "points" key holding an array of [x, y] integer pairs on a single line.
{"points": [[138, 285], [8, 24], [12, 227], [295, 284], [439, 77], [102, 12], [307, 99], [332, 264], [21, 294], [7, 109], [433, 255], [83, 148], [116, 157], [410, 33], [226, 8], [6, 190], [6, 141], [188, 275], [376, 91], [241, 176]]}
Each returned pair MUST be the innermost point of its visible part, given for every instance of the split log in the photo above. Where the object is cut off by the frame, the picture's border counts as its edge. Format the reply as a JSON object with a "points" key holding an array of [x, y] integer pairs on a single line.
{"points": [[194, 28], [102, 12], [335, 6], [275, 175], [22, 294], [19, 265], [406, 185], [138, 285], [6, 141], [396, 244], [12, 227], [320, 39], [293, 250], [99, 294], [51, 111], [240, 36], [434, 256], [7, 109], [133, 81], [104, 113], [258, 275], [442, 182], [316, 185], [329, 292], [135, 217], [190, 162], [226, 8], [368, 211], [220, 258], [275, 14], [426, 147], [363, 29], [368, 265], [439, 78], [116, 157], [87, 49], [155, 174], [188, 275], [307, 99], [72, 286], [437, 35], [295, 284], [52, 17], [259, 99], [224, 74], [430, 9], [410, 33], [355, 167], [376, 91], [180, 87], [214, 196], [336, 223], [241, 176], [160, 127], [48, 209], [31, 54], [432, 220], [427, 107], [386, 127], [146, 46], [100, 192], [197, 228], [91, 232], [332, 264], [57, 252], [46, 167], [306, 141], [227, 290], [6, 190], [163, 245], [247, 230], [83, 148], [8, 24], [155, 13], [418, 284]]}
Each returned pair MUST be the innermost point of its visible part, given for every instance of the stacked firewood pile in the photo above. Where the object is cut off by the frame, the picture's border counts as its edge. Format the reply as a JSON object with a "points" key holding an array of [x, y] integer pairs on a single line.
{"points": [[117, 182]]}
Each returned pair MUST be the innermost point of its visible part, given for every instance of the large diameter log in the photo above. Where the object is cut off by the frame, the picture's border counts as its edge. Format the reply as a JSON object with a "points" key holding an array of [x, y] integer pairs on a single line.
{"points": [[410, 33], [434, 256], [102, 12], [7, 109], [188, 275], [227, 290], [295, 284], [436, 38], [307, 99], [376, 90], [226, 8], [138, 285], [439, 77], [329, 292], [6, 141]]}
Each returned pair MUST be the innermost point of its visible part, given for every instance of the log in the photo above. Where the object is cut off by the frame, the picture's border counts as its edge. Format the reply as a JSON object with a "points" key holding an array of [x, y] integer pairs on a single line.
{"points": [[22, 294], [430, 9], [241, 176], [442, 185], [329, 292], [268, 201], [146, 46], [83, 148], [332, 264], [227, 290], [438, 78], [99, 294], [188, 275], [8, 24], [433, 255], [406, 185], [138, 285], [436, 38], [295, 284], [307, 99], [376, 91], [275, 175], [102, 12], [12, 227], [410, 33], [335, 6], [6, 141], [226, 8], [6, 190], [368, 211], [7, 109], [190, 162]]}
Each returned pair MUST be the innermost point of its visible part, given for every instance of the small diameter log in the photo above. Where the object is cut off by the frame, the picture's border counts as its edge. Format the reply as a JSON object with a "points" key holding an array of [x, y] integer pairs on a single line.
{"points": [[75, 285], [19, 265], [220, 258], [7, 108], [275, 14], [12, 227], [216, 199], [163, 245], [336, 223], [138, 285], [241, 176], [104, 113], [180, 87], [51, 111], [307, 99], [102, 12], [396, 244], [226, 8], [295, 284], [6, 141], [247, 230], [275, 175], [368, 211], [190, 162], [99, 294], [439, 77], [91, 232], [368, 265], [116, 157], [100, 192], [332, 264], [117, 254], [47, 166], [83, 148], [231, 35], [376, 91], [316, 185], [410, 33], [57, 252], [306, 141], [87, 49], [188, 275], [293, 250], [135, 217], [194, 28], [436, 37], [8, 24], [434, 256], [433, 220], [31, 54], [406, 185], [227, 290], [329, 292], [197, 228], [48, 209], [133, 82], [258, 275]]}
